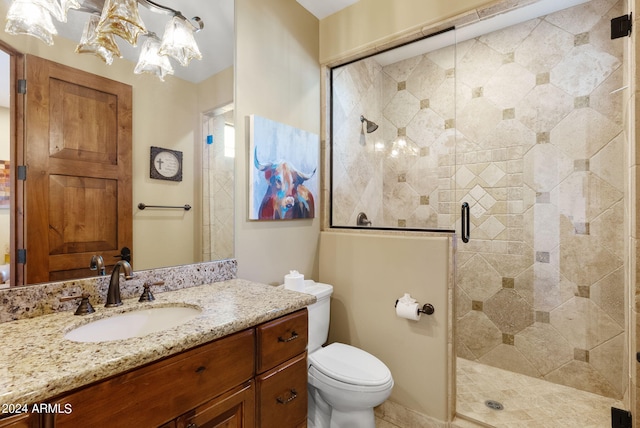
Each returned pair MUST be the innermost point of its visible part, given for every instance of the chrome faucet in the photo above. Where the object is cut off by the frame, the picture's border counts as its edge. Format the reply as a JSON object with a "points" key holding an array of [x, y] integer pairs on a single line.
{"points": [[113, 295]]}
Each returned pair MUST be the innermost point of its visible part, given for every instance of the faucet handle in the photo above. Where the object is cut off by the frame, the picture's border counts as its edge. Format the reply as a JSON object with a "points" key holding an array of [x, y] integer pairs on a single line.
{"points": [[85, 306], [146, 294]]}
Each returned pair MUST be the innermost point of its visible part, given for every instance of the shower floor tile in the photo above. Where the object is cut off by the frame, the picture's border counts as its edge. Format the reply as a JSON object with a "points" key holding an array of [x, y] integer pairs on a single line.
{"points": [[527, 401]]}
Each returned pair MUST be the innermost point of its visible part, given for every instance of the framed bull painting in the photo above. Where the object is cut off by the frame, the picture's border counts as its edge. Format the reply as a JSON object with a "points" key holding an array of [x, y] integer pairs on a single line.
{"points": [[284, 163]]}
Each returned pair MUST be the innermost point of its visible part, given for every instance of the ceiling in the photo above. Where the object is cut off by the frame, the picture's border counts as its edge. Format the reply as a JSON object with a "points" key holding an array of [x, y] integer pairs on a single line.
{"points": [[323, 8], [215, 40]]}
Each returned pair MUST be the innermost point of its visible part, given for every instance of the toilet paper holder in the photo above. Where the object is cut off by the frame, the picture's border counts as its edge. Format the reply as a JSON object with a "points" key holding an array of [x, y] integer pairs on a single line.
{"points": [[426, 309]]}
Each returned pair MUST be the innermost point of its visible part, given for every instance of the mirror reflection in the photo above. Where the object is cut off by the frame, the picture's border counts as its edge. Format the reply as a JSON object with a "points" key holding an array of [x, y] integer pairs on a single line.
{"points": [[191, 112], [5, 188]]}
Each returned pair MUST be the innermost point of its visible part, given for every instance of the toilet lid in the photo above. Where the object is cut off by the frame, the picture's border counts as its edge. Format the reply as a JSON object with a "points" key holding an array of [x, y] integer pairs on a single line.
{"points": [[350, 365]]}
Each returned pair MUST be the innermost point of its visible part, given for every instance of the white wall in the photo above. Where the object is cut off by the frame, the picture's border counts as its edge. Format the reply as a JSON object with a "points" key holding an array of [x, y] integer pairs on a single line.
{"points": [[277, 77]]}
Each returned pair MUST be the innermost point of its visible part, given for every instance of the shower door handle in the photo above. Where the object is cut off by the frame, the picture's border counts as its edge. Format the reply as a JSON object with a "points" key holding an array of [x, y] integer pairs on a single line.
{"points": [[464, 220]]}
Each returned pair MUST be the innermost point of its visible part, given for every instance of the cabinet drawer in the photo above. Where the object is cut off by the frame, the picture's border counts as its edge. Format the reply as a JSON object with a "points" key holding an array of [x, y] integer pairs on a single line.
{"points": [[157, 393], [282, 395], [281, 339]]}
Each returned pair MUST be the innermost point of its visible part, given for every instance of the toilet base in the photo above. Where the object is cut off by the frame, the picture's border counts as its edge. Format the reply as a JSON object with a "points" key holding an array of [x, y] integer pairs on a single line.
{"points": [[322, 415]]}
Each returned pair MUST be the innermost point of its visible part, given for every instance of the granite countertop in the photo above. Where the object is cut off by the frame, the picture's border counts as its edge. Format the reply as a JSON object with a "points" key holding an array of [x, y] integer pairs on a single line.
{"points": [[38, 363]]}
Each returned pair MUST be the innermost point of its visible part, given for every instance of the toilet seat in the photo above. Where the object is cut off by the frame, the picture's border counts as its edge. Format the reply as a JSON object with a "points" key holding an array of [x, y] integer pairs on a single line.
{"points": [[349, 368]]}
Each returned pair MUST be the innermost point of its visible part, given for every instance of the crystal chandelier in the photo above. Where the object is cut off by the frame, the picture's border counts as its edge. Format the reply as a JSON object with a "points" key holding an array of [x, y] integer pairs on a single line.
{"points": [[108, 19]]}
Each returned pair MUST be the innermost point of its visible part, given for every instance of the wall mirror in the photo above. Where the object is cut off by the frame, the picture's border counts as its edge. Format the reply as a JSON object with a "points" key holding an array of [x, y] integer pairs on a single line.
{"points": [[210, 187]]}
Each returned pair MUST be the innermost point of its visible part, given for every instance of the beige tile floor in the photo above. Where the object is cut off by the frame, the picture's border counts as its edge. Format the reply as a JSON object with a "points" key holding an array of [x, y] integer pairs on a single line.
{"points": [[528, 402], [380, 423]]}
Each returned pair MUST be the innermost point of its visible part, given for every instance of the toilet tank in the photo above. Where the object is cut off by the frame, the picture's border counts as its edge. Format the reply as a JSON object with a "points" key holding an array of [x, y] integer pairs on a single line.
{"points": [[319, 313]]}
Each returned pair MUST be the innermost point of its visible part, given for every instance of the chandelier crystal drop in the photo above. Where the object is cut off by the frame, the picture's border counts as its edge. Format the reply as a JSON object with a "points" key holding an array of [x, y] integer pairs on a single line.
{"points": [[152, 62], [102, 45], [29, 18], [121, 17], [178, 42]]}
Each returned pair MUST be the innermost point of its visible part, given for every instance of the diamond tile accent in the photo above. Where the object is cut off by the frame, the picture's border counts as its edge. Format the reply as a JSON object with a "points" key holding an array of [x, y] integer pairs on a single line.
{"points": [[402, 109], [464, 176], [492, 175], [508, 311], [477, 192], [492, 227], [477, 210]]}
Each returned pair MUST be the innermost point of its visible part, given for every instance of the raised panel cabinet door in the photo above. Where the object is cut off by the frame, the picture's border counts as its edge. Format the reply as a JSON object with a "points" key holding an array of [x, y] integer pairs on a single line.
{"points": [[234, 409], [77, 192]]}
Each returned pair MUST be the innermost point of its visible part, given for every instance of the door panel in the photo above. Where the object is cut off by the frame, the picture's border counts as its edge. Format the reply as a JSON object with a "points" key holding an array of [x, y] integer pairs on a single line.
{"points": [[70, 138], [78, 197], [85, 201]]}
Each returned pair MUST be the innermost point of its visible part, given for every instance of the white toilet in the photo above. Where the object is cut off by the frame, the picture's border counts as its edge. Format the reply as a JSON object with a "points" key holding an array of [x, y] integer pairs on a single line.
{"points": [[345, 383]]}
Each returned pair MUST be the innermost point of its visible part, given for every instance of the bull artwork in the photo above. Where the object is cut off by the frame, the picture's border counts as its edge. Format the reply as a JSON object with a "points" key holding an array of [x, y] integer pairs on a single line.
{"points": [[286, 196]]}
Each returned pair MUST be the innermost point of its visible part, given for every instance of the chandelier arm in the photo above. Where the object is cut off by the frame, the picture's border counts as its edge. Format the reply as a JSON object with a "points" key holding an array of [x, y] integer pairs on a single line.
{"points": [[158, 8]]}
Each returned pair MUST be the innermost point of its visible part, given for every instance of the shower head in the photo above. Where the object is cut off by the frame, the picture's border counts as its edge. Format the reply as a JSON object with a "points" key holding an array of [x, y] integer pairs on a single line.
{"points": [[371, 126]]}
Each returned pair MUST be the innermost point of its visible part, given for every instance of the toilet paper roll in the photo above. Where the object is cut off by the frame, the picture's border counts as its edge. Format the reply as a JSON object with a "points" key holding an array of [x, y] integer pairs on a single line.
{"points": [[408, 311], [294, 281]]}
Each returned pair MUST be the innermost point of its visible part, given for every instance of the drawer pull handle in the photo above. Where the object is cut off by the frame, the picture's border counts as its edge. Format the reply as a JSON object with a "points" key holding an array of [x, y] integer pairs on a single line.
{"points": [[293, 396], [200, 369], [294, 336], [192, 425]]}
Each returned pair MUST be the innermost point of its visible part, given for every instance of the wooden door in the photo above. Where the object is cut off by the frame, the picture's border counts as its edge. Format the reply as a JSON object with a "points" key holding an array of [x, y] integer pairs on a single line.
{"points": [[77, 192]]}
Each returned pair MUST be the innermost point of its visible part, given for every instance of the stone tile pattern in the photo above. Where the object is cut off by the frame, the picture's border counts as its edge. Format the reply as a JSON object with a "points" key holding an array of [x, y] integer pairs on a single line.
{"points": [[534, 143], [393, 415], [41, 299], [217, 192], [527, 402]]}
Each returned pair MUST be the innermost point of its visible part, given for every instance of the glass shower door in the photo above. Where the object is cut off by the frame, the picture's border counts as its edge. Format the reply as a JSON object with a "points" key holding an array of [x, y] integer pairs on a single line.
{"points": [[540, 163]]}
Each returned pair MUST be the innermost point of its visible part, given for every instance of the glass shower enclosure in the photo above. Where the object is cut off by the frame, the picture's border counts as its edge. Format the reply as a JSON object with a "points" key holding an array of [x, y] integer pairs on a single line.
{"points": [[511, 133]]}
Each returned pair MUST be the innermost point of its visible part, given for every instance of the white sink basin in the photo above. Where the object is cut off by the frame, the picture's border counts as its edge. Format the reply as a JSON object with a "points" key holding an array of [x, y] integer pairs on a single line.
{"points": [[133, 324]]}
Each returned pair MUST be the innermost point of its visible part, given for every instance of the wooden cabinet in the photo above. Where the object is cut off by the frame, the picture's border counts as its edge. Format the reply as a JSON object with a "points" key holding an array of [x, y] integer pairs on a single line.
{"points": [[281, 381], [234, 409], [281, 339], [155, 394], [282, 394], [24, 420], [253, 378]]}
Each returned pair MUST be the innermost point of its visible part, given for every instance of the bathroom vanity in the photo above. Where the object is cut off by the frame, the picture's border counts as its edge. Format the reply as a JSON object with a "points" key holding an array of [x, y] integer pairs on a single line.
{"points": [[247, 369]]}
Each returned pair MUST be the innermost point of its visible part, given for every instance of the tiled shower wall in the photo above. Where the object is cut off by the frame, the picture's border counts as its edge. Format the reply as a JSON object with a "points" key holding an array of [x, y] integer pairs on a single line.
{"points": [[539, 156], [542, 291], [217, 192]]}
